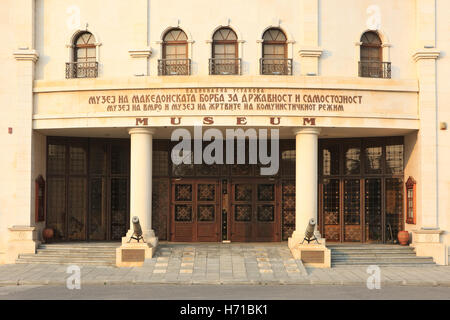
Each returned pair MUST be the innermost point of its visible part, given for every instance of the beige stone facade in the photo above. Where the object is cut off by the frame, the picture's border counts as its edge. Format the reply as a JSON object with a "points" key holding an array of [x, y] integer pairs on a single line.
{"points": [[322, 96]]}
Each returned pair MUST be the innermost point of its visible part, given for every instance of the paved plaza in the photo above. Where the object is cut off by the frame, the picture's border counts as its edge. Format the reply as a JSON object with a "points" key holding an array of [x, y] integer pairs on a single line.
{"points": [[222, 264]]}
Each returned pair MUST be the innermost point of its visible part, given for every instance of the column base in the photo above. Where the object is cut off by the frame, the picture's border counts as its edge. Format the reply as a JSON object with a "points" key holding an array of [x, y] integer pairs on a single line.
{"points": [[22, 239], [427, 243]]}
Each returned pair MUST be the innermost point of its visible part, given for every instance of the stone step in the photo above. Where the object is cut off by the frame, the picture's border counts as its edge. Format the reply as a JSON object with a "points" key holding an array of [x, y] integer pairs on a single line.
{"points": [[73, 256], [351, 249], [73, 253], [66, 262], [352, 265], [41, 252], [28, 256], [386, 257], [382, 255], [106, 246], [377, 261], [387, 252]]}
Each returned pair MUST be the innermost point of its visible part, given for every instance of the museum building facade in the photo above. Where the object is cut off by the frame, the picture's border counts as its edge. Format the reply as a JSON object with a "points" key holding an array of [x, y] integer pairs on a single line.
{"points": [[349, 109]]}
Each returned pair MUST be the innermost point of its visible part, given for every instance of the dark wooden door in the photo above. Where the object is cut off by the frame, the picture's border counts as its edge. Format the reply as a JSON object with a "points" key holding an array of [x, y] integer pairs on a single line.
{"points": [[195, 210], [254, 211]]}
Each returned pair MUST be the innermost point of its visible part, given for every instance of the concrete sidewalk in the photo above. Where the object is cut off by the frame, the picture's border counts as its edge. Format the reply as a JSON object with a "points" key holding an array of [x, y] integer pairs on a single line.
{"points": [[223, 264]]}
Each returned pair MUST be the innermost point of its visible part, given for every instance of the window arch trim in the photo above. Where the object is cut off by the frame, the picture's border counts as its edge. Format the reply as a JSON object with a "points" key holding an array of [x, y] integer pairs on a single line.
{"points": [[384, 52], [276, 66]]}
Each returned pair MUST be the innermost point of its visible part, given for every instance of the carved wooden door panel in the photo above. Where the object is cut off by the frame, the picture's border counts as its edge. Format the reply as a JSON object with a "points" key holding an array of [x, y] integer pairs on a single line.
{"points": [[254, 211], [195, 210]]}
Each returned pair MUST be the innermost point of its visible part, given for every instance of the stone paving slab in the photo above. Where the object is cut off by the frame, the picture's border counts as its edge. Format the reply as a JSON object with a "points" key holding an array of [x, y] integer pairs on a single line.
{"points": [[256, 264]]}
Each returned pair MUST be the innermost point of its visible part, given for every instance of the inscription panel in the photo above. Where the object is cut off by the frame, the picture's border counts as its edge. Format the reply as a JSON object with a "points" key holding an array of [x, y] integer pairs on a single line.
{"points": [[313, 256], [133, 255]]}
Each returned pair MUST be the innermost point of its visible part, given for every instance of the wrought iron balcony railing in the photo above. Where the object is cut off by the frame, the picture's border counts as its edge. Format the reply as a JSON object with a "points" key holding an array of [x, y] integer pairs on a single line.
{"points": [[375, 69], [275, 66], [174, 67], [224, 66], [81, 70]]}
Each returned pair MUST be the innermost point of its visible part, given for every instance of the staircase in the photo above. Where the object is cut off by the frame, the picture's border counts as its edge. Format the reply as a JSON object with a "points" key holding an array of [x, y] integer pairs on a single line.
{"points": [[95, 253], [345, 255]]}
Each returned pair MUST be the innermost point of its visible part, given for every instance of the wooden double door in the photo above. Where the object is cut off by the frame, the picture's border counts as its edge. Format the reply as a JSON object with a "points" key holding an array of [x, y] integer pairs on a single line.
{"points": [[212, 210]]}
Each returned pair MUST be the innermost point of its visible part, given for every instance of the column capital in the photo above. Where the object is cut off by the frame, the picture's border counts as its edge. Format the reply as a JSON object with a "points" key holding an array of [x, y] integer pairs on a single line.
{"points": [[431, 53], [307, 130], [141, 131]]}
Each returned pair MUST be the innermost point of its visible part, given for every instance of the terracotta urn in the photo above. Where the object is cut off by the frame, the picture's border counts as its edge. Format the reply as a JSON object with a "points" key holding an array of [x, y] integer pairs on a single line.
{"points": [[403, 238], [47, 234]]}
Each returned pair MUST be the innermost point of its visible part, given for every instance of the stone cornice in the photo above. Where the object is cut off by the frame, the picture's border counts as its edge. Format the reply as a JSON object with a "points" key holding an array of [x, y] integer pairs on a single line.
{"points": [[426, 54], [26, 55], [310, 52], [140, 53]]}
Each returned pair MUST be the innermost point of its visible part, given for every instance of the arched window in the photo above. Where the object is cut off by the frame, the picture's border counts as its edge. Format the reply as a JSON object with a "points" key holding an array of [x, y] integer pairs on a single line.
{"points": [[371, 64], [84, 63], [274, 53], [175, 54], [224, 53]]}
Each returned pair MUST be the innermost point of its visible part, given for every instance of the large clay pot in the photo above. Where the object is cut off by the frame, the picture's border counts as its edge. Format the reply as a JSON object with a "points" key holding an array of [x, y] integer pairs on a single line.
{"points": [[403, 237], [47, 234]]}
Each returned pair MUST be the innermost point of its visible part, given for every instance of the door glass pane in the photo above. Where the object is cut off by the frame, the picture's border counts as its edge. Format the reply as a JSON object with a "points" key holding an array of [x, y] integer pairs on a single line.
{"points": [[352, 213], [206, 212], [119, 159], [394, 159], [206, 192], [372, 208], [77, 159], [265, 213], [97, 159], [352, 162], [119, 208], [243, 212], [288, 209], [183, 212], [243, 192], [330, 158], [266, 192], [288, 162], [56, 159], [331, 209], [160, 163], [373, 159], [97, 212], [56, 207], [394, 207], [77, 208]]}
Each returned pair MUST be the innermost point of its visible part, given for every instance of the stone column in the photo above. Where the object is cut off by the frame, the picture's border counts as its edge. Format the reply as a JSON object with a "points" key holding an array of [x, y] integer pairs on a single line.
{"points": [[141, 182], [306, 175]]}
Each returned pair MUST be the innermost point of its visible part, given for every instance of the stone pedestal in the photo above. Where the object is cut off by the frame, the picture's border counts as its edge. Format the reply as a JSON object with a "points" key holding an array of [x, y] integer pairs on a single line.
{"points": [[427, 244], [133, 254], [22, 239], [313, 254]]}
